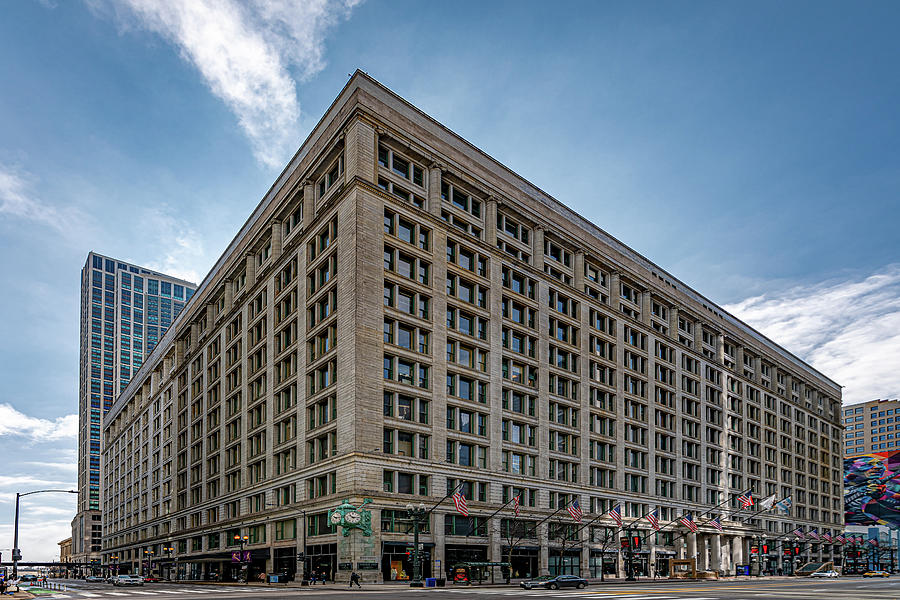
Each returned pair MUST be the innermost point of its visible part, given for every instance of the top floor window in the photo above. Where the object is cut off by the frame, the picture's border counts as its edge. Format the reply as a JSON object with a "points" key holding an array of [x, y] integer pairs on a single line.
{"points": [[460, 199], [512, 228], [400, 165]]}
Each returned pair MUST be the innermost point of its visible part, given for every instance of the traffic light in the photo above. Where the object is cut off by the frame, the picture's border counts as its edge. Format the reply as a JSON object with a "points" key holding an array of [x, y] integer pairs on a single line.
{"points": [[636, 542], [624, 542], [796, 549], [765, 548]]}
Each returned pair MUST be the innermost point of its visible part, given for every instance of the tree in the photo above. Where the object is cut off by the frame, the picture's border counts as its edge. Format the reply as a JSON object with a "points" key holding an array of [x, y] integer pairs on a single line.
{"points": [[514, 532]]}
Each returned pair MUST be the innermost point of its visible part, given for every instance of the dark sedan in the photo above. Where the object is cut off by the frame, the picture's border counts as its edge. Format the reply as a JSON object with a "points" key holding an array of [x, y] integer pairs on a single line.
{"points": [[554, 582]]}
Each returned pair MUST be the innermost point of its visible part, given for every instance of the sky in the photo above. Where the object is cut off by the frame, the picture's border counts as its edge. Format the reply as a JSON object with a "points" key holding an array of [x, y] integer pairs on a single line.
{"points": [[748, 148]]}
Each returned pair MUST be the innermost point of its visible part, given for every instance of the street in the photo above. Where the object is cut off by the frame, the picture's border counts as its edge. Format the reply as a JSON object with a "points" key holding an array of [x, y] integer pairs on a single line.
{"points": [[803, 589]]}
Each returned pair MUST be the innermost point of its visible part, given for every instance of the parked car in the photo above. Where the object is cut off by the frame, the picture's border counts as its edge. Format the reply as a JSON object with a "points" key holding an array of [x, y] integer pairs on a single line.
{"points": [[876, 573], [110, 579], [554, 582], [93, 579], [123, 580], [825, 574], [28, 579]]}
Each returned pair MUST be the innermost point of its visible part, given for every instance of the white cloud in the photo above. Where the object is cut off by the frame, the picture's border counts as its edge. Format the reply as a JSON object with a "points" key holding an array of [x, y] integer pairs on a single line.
{"points": [[180, 245], [15, 423], [849, 330], [18, 200], [245, 51]]}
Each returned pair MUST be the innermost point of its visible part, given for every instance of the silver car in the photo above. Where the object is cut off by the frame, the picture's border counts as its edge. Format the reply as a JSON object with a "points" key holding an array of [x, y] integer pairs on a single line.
{"points": [[123, 580]]}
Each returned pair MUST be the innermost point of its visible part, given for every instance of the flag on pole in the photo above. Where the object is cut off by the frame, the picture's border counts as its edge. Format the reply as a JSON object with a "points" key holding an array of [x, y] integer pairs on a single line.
{"points": [[459, 500], [799, 533], [767, 503], [717, 523], [785, 505], [746, 500], [827, 537], [688, 521], [653, 517], [575, 510], [873, 541], [616, 513], [840, 538], [813, 533]]}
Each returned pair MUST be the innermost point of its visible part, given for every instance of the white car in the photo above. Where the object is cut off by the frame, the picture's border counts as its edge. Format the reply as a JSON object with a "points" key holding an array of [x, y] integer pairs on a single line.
{"points": [[825, 574]]}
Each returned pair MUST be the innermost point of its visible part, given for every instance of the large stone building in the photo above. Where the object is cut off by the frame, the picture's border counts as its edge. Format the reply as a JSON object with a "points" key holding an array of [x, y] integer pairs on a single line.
{"points": [[125, 309], [515, 348], [872, 426]]}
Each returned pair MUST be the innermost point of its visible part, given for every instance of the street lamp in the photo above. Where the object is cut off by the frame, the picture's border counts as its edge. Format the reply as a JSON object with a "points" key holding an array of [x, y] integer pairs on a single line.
{"points": [[243, 540], [417, 515], [762, 561], [16, 553], [115, 563], [169, 550], [149, 554]]}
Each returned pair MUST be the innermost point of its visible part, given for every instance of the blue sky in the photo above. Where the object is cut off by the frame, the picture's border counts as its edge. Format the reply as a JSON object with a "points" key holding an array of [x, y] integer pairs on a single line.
{"points": [[748, 148]]}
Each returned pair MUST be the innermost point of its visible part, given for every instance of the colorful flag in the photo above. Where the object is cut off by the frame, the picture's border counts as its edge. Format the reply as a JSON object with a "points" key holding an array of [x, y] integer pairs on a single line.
{"points": [[873, 541], [616, 513], [827, 537], [459, 500], [840, 538], [653, 517], [575, 510], [799, 533], [767, 503], [785, 505], [746, 500], [688, 521], [717, 523], [813, 533], [516, 505]]}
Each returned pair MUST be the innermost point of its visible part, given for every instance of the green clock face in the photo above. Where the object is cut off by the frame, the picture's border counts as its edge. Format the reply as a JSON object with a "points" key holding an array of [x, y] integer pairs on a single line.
{"points": [[350, 517]]}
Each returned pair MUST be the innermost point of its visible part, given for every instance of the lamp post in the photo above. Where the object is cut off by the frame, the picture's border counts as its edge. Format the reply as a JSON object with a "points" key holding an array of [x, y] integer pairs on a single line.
{"points": [[243, 540], [629, 557], [115, 564], [16, 553], [417, 515], [169, 550], [149, 555]]}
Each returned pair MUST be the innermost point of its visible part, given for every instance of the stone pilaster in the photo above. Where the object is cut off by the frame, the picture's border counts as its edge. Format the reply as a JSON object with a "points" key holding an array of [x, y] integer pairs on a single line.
{"points": [[434, 190], [360, 152]]}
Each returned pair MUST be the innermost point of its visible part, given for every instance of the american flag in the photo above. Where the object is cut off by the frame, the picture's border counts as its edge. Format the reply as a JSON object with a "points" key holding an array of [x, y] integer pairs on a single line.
{"points": [[516, 505], [840, 538], [717, 523], [460, 501], [688, 521], [616, 513], [813, 533], [575, 510], [873, 541], [746, 500], [799, 533], [827, 537], [653, 517]]}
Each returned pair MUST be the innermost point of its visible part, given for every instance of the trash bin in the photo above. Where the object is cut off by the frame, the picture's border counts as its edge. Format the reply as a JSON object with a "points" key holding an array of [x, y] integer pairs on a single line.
{"points": [[273, 578], [430, 582]]}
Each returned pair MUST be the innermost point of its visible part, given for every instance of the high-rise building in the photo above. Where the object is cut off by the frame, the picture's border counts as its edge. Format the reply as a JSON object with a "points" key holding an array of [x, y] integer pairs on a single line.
{"points": [[125, 310], [872, 426], [517, 351]]}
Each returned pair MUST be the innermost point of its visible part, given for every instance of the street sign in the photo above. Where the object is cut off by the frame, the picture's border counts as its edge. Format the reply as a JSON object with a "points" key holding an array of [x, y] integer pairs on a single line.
{"points": [[235, 557]]}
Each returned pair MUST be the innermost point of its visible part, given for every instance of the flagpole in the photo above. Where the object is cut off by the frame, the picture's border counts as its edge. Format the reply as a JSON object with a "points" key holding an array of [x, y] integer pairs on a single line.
{"points": [[491, 516]]}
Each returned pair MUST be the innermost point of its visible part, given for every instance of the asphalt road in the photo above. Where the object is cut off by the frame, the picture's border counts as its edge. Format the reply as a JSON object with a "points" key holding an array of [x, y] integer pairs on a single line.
{"points": [[781, 589]]}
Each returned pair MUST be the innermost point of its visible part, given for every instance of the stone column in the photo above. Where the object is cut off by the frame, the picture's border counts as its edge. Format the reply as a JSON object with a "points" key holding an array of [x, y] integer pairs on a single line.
{"points": [[309, 202], [276, 239], [490, 222], [673, 323], [544, 542], [538, 249], [579, 270], [434, 190], [692, 546], [359, 151], [645, 307], [715, 550], [698, 336], [437, 528], [737, 550], [250, 262], [614, 291]]}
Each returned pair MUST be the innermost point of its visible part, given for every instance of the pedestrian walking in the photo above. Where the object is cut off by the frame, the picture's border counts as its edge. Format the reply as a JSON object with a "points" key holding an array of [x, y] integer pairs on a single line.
{"points": [[324, 576], [354, 578]]}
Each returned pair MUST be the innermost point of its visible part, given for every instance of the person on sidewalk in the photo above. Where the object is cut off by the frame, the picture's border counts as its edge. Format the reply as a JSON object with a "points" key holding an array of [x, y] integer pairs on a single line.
{"points": [[354, 578]]}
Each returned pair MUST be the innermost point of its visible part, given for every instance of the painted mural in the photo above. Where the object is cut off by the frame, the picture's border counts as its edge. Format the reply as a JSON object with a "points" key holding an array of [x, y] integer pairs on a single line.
{"points": [[872, 489]]}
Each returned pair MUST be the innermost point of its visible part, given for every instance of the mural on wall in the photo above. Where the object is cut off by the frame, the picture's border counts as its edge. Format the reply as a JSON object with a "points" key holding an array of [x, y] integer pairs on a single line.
{"points": [[872, 489]]}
